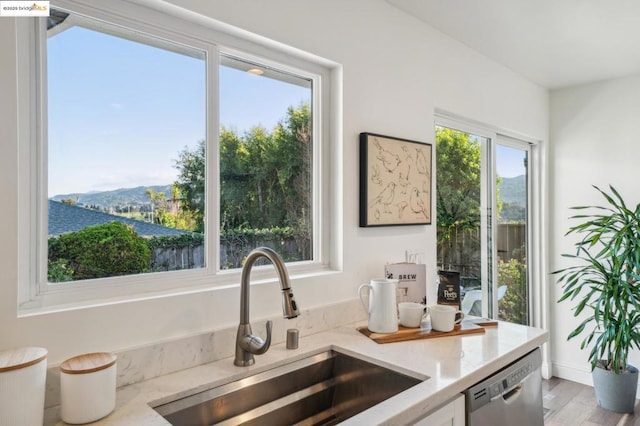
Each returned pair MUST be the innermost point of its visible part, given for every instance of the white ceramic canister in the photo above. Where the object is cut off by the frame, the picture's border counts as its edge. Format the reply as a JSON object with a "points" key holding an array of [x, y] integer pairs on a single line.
{"points": [[23, 374], [87, 387]]}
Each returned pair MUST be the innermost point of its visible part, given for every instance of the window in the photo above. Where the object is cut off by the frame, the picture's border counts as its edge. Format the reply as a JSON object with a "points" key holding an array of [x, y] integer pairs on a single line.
{"points": [[156, 155], [266, 161], [125, 113], [483, 205]]}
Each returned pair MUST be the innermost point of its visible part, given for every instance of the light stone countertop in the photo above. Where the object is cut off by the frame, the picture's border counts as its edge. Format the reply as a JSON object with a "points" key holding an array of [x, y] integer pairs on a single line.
{"points": [[452, 364]]}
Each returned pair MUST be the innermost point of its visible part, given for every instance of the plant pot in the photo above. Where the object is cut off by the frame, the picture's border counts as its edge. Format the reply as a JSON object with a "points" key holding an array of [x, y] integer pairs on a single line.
{"points": [[616, 392]]}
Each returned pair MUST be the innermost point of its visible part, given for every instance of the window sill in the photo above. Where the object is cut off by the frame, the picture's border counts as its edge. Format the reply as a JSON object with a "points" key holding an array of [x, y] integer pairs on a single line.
{"points": [[148, 287]]}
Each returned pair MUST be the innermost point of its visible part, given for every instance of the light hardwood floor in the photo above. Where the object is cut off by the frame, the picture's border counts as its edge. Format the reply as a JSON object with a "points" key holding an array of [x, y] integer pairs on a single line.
{"points": [[568, 403]]}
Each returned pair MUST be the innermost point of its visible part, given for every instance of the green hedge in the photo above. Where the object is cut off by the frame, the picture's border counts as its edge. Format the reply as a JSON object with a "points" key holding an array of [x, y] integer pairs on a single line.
{"points": [[229, 236], [176, 242], [116, 249], [98, 251], [251, 235]]}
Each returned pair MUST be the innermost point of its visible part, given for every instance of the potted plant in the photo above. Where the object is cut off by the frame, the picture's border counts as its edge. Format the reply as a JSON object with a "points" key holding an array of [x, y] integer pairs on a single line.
{"points": [[604, 282]]}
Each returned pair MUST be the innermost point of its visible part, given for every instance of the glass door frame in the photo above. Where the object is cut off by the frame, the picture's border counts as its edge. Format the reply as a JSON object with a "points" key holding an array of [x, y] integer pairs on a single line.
{"points": [[488, 220], [515, 143]]}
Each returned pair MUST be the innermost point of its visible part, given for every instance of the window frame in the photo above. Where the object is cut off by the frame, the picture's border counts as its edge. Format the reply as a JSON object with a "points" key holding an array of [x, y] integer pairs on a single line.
{"points": [[35, 294], [517, 143], [497, 136]]}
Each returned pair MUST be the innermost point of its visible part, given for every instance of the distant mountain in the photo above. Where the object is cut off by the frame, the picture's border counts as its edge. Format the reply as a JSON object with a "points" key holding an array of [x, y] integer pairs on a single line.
{"points": [[513, 193], [514, 190], [118, 197]]}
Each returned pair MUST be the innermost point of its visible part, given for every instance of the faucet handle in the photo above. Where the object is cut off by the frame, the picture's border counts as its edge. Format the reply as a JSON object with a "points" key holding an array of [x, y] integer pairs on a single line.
{"points": [[255, 344]]}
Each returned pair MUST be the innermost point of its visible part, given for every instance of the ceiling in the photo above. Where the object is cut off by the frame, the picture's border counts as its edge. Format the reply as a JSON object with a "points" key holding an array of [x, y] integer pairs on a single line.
{"points": [[555, 43]]}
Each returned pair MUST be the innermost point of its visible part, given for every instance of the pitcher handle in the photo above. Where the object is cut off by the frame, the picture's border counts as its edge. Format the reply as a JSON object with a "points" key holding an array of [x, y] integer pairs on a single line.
{"points": [[366, 308]]}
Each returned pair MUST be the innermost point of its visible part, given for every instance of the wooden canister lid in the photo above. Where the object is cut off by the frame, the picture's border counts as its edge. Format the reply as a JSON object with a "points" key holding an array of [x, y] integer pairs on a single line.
{"points": [[16, 359], [88, 363]]}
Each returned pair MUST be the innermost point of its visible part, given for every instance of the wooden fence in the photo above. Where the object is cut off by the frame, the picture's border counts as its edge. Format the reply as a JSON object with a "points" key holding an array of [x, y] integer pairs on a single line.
{"points": [[461, 252], [231, 254]]}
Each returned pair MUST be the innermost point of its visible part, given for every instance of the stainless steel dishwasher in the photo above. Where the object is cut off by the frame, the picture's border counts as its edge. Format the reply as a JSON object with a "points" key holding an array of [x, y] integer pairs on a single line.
{"points": [[512, 396]]}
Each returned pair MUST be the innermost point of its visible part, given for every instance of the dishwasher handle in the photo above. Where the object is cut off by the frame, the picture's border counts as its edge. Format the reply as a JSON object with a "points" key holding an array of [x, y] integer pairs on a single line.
{"points": [[513, 394]]}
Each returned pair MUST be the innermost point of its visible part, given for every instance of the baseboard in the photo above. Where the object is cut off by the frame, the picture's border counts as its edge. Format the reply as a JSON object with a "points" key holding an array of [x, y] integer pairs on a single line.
{"points": [[572, 372]]}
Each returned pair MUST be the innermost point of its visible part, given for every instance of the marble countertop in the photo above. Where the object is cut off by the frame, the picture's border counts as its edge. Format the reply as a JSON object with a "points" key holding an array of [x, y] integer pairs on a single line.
{"points": [[452, 364]]}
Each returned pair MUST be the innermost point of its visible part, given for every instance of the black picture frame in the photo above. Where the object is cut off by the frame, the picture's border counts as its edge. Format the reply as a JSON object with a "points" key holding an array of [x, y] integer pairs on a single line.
{"points": [[395, 181]]}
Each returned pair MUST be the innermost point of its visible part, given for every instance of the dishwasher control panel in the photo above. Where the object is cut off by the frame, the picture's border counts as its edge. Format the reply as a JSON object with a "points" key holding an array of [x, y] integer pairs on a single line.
{"points": [[512, 379]]}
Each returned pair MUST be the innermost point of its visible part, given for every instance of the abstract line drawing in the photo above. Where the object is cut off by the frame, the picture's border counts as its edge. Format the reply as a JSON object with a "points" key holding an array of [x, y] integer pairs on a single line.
{"points": [[375, 175], [395, 181], [389, 160], [385, 197]]}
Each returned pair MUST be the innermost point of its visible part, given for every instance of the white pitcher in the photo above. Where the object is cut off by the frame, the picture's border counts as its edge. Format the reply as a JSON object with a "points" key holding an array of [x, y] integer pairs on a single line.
{"points": [[383, 316]]}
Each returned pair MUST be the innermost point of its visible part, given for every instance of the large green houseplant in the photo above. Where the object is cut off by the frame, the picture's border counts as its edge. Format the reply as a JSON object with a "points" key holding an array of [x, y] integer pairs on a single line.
{"points": [[605, 283]]}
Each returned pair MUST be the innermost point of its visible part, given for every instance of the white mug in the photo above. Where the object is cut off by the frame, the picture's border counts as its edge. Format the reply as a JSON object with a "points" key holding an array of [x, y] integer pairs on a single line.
{"points": [[383, 317], [411, 314], [443, 317]]}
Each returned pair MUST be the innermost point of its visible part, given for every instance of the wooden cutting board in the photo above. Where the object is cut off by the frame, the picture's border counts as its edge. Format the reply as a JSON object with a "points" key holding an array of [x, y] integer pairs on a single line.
{"points": [[404, 333]]}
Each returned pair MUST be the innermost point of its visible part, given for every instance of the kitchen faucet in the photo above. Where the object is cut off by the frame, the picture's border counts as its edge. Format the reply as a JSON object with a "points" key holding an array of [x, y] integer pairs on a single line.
{"points": [[246, 343]]}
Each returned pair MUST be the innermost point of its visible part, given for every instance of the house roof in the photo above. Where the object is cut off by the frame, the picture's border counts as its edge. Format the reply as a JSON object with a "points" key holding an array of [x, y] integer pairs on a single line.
{"points": [[65, 218]]}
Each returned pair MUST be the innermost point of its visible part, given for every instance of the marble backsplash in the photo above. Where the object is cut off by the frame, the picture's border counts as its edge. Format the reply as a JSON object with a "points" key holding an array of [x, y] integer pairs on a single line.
{"points": [[143, 363]]}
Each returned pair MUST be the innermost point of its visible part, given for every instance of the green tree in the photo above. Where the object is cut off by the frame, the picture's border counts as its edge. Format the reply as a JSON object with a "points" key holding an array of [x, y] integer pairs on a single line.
{"points": [[261, 177], [458, 201], [159, 207], [458, 181], [265, 177], [190, 183], [292, 161], [234, 180]]}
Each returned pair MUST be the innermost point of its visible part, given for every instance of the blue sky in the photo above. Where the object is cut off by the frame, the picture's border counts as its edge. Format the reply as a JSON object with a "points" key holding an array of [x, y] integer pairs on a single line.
{"points": [[510, 161], [119, 112]]}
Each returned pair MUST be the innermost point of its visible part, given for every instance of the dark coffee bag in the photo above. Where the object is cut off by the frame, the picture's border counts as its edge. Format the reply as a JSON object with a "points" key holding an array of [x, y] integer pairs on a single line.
{"points": [[449, 288]]}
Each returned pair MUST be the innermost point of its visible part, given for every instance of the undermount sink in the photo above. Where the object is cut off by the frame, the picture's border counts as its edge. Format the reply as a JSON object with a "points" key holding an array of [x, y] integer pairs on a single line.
{"points": [[323, 389]]}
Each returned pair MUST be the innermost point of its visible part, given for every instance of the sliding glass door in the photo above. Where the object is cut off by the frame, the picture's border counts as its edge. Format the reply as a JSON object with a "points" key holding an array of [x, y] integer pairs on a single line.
{"points": [[482, 193]]}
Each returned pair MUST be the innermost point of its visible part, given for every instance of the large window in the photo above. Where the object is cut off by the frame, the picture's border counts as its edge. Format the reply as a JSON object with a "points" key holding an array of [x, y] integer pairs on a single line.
{"points": [[266, 161], [155, 153], [483, 203], [126, 118]]}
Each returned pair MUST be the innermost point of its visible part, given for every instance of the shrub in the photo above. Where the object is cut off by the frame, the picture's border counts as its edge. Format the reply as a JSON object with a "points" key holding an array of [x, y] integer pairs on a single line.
{"points": [[513, 306], [59, 271], [100, 251]]}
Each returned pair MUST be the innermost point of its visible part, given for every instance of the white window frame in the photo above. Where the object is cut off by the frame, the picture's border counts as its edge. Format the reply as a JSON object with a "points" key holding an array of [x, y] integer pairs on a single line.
{"points": [[513, 142], [35, 294], [497, 136]]}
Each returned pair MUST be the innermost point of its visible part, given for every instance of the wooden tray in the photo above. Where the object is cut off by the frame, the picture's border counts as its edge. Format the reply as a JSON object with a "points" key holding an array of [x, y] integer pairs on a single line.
{"points": [[484, 322], [404, 333]]}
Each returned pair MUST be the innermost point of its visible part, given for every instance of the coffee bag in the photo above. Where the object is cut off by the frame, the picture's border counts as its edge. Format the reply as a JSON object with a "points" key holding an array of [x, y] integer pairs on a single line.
{"points": [[449, 288]]}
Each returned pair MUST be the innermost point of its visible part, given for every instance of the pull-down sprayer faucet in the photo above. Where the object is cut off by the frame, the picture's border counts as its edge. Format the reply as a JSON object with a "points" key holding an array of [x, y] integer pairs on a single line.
{"points": [[246, 343]]}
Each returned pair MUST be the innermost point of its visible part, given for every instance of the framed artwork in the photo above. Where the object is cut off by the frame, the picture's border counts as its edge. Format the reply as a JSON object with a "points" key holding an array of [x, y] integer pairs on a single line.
{"points": [[395, 181]]}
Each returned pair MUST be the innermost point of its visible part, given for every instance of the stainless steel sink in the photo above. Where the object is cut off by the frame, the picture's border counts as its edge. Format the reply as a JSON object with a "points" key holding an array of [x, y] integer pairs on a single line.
{"points": [[323, 389]]}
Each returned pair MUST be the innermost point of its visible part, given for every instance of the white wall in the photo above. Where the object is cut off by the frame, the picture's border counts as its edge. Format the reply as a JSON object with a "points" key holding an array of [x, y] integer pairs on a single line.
{"points": [[396, 70], [594, 131]]}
